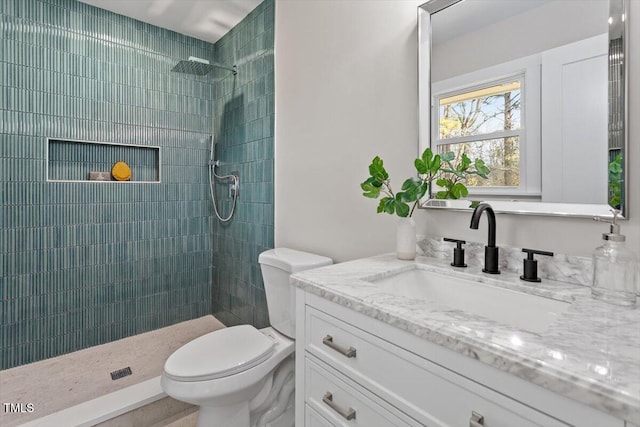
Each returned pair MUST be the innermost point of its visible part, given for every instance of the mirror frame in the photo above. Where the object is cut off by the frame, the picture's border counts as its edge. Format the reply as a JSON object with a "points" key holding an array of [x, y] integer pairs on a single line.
{"points": [[513, 206]]}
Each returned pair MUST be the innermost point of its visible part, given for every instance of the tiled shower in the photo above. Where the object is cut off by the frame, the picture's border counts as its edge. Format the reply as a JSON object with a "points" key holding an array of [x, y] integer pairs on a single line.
{"points": [[84, 263], [244, 110]]}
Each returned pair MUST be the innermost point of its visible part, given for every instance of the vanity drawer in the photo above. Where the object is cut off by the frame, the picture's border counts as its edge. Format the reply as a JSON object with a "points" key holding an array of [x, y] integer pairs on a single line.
{"points": [[425, 391], [313, 419], [343, 404]]}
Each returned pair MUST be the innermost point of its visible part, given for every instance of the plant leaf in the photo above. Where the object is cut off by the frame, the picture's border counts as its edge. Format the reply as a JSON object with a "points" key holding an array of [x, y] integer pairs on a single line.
{"points": [[377, 170], [371, 188], [435, 164], [444, 182], [458, 190], [427, 155], [466, 160], [448, 156], [402, 209], [422, 190], [410, 183], [386, 205], [413, 190], [481, 168], [421, 166], [463, 166]]}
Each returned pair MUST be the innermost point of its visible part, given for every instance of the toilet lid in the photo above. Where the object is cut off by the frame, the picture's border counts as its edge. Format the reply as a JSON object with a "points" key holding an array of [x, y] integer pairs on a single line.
{"points": [[219, 354]]}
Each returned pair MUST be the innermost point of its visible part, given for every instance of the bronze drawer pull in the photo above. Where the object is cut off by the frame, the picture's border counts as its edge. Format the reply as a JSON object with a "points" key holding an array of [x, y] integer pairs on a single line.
{"points": [[348, 414], [348, 352]]}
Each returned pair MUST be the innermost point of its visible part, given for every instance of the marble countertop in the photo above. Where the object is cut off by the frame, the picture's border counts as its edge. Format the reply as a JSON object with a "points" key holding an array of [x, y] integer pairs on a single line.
{"points": [[591, 353]]}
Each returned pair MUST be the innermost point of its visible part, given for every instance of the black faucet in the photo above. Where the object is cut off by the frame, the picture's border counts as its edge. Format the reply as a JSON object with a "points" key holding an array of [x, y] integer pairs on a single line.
{"points": [[490, 250]]}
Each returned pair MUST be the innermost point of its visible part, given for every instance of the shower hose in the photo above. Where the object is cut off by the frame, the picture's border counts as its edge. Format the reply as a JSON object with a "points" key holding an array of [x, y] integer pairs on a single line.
{"points": [[212, 176]]}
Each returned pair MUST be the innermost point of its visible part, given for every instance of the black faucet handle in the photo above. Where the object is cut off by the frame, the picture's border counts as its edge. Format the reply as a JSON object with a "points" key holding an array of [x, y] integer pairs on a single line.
{"points": [[531, 252], [458, 252], [459, 242], [531, 265]]}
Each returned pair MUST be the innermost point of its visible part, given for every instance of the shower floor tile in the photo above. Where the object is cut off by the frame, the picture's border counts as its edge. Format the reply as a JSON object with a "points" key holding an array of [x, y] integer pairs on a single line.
{"points": [[64, 381]]}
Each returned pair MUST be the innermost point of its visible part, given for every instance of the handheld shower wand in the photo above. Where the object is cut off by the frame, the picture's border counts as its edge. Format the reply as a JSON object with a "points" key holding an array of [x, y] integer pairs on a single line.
{"points": [[235, 184]]}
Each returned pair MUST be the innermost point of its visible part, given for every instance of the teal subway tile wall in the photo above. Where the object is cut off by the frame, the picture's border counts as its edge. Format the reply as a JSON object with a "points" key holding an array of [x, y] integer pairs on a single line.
{"points": [[84, 263], [244, 124]]}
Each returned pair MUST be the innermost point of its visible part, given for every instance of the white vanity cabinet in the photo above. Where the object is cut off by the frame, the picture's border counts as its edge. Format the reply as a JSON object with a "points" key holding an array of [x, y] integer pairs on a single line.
{"points": [[353, 370]]}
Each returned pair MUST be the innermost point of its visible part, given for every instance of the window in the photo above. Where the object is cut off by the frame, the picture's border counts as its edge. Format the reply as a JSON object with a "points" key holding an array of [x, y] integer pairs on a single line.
{"points": [[484, 123], [493, 114]]}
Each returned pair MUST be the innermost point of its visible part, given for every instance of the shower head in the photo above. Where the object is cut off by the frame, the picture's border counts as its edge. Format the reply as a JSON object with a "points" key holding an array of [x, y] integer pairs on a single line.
{"points": [[199, 67], [193, 65]]}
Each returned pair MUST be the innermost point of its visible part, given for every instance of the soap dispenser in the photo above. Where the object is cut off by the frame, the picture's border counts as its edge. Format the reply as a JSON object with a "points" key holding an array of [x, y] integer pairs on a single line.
{"points": [[615, 268]]}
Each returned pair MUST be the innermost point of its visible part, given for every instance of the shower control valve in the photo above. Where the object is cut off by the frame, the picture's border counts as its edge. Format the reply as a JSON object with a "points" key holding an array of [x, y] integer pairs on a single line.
{"points": [[234, 184]]}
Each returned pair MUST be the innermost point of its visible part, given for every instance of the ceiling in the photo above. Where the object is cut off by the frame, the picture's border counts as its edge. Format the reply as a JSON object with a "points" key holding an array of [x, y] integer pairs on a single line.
{"points": [[472, 15], [207, 20]]}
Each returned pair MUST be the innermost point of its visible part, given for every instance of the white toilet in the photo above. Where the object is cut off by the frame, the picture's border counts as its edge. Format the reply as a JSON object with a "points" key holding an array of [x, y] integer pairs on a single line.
{"points": [[241, 376]]}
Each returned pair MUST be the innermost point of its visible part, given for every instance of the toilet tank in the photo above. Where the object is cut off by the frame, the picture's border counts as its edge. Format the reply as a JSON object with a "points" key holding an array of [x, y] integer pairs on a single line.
{"points": [[276, 266]]}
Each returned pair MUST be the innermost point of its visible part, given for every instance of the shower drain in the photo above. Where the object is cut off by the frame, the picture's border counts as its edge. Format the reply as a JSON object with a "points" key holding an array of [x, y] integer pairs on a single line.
{"points": [[121, 373]]}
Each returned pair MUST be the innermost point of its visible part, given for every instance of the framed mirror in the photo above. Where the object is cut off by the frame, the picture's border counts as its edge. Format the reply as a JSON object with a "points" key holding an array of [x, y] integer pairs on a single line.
{"points": [[539, 96]]}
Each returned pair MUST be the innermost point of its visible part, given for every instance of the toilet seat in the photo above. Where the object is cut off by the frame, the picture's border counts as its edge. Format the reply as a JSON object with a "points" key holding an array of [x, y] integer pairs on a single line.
{"points": [[219, 354]]}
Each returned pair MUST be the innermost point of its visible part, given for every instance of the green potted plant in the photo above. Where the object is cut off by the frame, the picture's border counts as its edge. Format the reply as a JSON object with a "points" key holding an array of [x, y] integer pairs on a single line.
{"points": [[615, 182], [443, 169]]}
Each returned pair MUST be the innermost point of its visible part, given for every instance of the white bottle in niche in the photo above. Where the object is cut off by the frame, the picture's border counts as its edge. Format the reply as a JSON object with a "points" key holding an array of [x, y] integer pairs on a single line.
{"points": [[406, 239], [615, 269]]}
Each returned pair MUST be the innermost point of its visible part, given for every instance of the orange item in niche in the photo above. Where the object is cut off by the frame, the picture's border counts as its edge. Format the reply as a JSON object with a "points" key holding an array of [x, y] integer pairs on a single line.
{"points": [[121, 171]]}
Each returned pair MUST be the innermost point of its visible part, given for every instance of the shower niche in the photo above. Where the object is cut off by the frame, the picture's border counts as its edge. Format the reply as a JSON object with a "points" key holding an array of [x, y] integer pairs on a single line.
{"points": [[72, 160]]}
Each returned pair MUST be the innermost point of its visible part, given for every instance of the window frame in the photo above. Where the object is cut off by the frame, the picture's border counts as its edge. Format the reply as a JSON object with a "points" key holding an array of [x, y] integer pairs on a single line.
{"points": [[527, 71]]}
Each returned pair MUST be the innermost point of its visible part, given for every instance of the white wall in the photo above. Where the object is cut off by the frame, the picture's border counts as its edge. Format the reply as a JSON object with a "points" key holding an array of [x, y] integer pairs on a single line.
{"points": [[518, 36], [346, 90], [346, 76]]}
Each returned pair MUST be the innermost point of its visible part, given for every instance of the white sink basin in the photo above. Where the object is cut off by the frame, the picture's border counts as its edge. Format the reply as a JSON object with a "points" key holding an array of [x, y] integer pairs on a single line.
{"points": [[515, 309]]}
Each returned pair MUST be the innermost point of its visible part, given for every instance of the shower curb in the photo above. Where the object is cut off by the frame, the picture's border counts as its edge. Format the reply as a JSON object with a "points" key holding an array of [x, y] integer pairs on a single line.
{"points": [[105, 407]]}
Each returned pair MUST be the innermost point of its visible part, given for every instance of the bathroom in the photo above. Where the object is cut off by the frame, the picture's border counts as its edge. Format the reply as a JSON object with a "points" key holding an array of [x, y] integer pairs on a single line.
{"points": [[327, 102]]}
